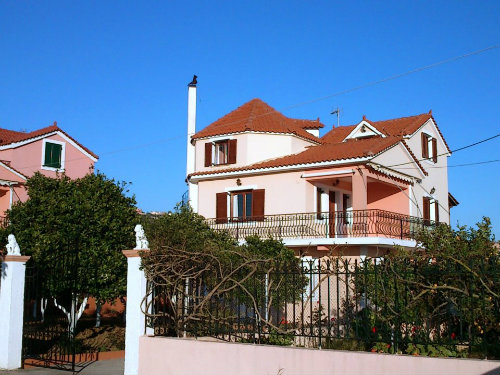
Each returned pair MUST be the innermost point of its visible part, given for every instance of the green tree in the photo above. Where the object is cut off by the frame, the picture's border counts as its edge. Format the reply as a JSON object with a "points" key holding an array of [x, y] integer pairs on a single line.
{"points": [[444, 292], [202, 277], [75, 230]]}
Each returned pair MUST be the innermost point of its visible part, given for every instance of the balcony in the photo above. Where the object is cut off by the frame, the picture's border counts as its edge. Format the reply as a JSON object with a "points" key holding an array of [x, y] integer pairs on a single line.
{"points": [[332, 225]]}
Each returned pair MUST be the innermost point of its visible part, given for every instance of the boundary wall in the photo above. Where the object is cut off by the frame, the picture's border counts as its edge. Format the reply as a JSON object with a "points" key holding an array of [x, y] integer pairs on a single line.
{"points": [[165, 355]]}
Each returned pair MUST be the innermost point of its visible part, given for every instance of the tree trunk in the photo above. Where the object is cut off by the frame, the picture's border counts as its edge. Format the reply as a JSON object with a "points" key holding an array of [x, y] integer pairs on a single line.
{"points": [[98, 314], [75, 312], [43, 306]]}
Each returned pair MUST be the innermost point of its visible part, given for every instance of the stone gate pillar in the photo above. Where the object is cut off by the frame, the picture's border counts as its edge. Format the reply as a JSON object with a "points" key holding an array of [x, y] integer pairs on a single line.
{"points": [[135, 318], [11, 310]]}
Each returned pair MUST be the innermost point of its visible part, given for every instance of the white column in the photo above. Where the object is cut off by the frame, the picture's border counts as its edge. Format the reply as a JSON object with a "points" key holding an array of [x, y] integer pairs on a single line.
{"points": [[135, 324], [11, 310]]}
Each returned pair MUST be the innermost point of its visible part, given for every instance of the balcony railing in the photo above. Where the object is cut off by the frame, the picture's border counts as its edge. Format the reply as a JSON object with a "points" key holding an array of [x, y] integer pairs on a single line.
{"points": [[339, 224]]}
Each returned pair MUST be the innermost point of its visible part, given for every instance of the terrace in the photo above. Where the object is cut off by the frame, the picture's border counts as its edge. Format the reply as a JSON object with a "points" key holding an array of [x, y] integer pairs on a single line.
{"points": [[324, 225]]}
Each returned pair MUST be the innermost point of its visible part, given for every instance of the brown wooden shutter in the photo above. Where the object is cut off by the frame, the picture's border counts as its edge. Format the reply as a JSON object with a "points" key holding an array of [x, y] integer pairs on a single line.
{"points": [[427, 210], [436, 210], [258, 204], [231, 151], [425, 146], [208, 154], [221, 208], [318, 203], [434, 150]]}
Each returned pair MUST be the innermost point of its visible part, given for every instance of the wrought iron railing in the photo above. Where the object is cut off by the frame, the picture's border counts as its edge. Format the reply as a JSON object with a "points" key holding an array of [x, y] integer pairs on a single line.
{"points": [[338, 224], [327, 303]]}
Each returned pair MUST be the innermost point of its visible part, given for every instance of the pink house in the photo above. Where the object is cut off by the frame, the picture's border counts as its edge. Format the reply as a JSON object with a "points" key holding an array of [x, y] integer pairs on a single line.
{"points": [[48, 150], [361, 188]]}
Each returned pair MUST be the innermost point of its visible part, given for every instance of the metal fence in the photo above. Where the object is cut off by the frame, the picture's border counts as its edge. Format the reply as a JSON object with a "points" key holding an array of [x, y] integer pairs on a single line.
{"points": [[321, 303], [342, 224]]}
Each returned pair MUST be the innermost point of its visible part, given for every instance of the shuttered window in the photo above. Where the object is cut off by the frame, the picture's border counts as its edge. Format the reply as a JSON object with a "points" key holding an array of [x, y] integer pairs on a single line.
{"points": [[208, 154], [231, 159], [220, 152], [243, 205], [434, 150], [53, 154], [430, 211], [426, 210], [429, 147], [258, 204], [221, 208], [425, 146]]}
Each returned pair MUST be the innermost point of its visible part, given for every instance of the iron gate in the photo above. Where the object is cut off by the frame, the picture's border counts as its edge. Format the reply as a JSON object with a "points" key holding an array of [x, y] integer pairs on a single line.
{"points": [[48, 339]]}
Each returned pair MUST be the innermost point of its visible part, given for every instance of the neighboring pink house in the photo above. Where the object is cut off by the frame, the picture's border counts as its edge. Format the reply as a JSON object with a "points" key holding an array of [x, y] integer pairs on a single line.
{"points": [[364, 187], [49, 150]]}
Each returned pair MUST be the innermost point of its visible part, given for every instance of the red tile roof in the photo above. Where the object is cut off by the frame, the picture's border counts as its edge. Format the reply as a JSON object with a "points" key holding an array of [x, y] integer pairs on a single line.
{"points": [[351, 149], [10, 136], [258, 116], [333, 148], [396, 127]]}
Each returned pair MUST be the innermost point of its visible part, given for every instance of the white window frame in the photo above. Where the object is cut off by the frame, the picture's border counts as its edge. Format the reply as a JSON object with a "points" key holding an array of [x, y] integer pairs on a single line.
{"points": [[215, 154], [63, 155], [432, 209], [430, 150]]}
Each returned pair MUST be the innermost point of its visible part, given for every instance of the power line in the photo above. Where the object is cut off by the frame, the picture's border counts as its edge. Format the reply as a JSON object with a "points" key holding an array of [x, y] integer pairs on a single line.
{"points": [[372, 83], [369, 84], [461, 165], [446, 153], [399, 75]]}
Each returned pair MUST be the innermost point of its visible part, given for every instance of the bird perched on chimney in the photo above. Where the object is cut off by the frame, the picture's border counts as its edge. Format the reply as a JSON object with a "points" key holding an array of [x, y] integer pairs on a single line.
{"points": [[194, 81]]}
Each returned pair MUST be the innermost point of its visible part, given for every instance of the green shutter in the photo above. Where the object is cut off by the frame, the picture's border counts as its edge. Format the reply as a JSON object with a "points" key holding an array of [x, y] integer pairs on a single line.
{"points": [[53, 153]]}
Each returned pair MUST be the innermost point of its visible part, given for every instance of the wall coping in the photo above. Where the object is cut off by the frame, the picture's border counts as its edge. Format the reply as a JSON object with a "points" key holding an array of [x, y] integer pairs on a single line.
{"points": [[16, 258], [134, 253]]}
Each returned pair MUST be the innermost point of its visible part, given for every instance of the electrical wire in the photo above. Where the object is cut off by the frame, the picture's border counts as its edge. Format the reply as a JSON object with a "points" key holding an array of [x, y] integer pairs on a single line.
{"points": [[369, 84], [399, 75], [450, 152], [459, 165]]}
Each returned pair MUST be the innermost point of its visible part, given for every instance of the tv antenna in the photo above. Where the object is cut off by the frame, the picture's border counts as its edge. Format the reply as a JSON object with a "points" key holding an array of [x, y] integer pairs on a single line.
{"points": [[337, 111]]}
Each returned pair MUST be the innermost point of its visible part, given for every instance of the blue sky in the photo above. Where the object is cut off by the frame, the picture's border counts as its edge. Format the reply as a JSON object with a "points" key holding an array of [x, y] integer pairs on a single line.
{"points": [[114, 76]]}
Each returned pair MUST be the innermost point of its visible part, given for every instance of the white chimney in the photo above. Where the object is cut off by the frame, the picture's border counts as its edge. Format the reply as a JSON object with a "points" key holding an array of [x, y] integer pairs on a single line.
{"points": [[191, 126], [191, 130]]}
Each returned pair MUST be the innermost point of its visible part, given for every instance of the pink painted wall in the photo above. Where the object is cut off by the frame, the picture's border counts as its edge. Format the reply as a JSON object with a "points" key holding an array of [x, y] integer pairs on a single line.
{"points": [[388, 197], [285, 193], [164, 355], [288, 192], [4, 199], [27, 159]]}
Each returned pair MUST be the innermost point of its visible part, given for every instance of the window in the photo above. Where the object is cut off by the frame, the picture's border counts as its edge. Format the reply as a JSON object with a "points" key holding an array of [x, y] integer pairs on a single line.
{"points": [[220, 152], [53, 155], [430, 211], [429, 147], [243, 205]]}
